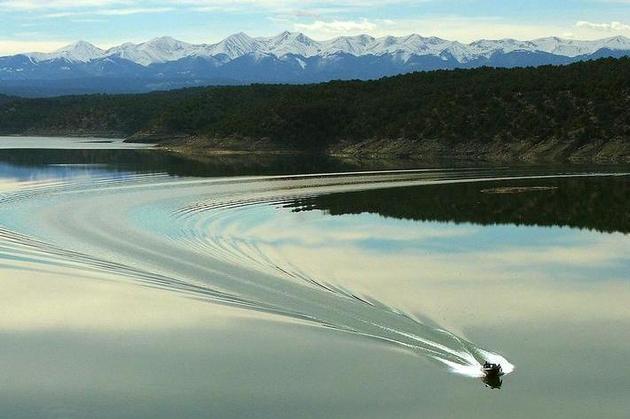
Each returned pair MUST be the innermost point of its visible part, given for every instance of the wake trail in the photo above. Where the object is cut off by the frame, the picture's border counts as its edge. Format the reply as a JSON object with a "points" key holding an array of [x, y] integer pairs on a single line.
{"points": [[191, 236]]}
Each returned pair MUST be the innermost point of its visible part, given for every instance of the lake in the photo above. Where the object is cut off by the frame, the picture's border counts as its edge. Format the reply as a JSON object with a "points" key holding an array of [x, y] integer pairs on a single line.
{"points": [[141, 284]]}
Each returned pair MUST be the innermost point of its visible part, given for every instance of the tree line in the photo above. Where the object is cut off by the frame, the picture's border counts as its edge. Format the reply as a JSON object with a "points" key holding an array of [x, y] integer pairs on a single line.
{"points": [[578, 102]]}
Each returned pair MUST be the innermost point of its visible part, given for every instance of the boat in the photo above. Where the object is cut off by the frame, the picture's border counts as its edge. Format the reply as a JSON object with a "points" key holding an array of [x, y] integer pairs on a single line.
{"points": [[490, 369], [492, 381], [492, 375]]}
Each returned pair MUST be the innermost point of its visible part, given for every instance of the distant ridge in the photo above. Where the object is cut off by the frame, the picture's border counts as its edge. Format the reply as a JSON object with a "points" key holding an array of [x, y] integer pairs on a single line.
{"points": [[290, 57]]}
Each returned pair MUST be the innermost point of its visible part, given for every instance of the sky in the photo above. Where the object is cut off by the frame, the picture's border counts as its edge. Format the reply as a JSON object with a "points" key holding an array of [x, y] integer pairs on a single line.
{"points": [[45, 25]]}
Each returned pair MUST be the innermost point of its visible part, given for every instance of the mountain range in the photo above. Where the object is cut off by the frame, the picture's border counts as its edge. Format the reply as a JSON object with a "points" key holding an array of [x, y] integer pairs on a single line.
{"points": [[166, 63]]}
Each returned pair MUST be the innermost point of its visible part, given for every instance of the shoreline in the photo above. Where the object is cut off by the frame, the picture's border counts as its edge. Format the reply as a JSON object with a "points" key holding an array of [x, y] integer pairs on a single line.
{"points": [[547, 152], [616, 151]]}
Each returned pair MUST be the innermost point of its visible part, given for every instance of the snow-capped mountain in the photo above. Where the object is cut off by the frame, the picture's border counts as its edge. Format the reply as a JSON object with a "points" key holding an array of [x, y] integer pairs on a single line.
{"points": [[233, 46], [289, 57], [78, 52], [354, 45], [159, 50]]}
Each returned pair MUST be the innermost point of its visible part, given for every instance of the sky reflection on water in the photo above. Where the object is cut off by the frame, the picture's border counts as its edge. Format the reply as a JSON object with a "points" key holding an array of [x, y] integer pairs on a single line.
{"points": [[553, 299]]}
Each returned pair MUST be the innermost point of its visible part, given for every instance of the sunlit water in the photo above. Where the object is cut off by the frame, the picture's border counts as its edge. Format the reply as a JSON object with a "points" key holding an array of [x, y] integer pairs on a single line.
{"points": [[360, 277]]}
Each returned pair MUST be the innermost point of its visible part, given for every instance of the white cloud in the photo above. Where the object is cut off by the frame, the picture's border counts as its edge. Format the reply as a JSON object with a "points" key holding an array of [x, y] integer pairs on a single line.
{"points": [[32, 5], [110, 12], [11, 47], [133, 11], [605, 27], [333, 28], [88, 20], [294, 8]]}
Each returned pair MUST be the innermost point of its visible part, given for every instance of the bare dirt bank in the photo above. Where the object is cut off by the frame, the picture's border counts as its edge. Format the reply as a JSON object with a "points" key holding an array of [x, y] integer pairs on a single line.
{"points": [[552, 151]]}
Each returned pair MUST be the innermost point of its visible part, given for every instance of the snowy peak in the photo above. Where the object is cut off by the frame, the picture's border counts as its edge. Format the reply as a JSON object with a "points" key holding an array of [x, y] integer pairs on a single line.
{"points": [[80, 51], [354, 45], [290, 43], [573, 48], [233, 46], [166, 43], [487, 47], [158, 50], [166, 49], [619, 41], [569, 48], [286, 43]]}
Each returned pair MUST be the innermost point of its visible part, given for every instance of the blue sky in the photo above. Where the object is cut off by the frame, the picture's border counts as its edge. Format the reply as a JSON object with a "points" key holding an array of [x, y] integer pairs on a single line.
{"points": [[44, 25]]}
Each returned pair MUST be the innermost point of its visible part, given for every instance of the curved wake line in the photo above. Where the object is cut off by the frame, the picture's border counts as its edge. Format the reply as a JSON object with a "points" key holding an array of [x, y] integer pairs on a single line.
{"points": [[191, 244], [462, 361]]}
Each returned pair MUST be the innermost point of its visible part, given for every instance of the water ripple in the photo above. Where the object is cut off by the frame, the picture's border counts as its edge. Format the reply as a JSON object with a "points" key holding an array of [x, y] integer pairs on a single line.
{"points": [[191, 236]]}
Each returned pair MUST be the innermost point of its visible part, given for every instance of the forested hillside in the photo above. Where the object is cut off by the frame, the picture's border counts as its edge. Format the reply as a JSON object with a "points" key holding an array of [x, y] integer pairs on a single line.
{"points": [[5, 99], [573, 105]]}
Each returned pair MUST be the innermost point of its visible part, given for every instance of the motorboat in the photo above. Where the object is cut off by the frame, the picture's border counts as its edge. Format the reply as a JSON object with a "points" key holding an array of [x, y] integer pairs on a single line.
{"points": [[490, 369], [492, 375]]}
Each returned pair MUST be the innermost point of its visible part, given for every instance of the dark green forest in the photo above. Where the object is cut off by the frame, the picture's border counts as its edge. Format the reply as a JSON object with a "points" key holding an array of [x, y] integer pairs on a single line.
{"points": [[579, 103], [4, 99]]}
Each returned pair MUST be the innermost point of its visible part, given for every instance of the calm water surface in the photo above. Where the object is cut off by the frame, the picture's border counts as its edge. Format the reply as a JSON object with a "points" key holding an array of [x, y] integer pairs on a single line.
{"points": [[136, 284]]}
